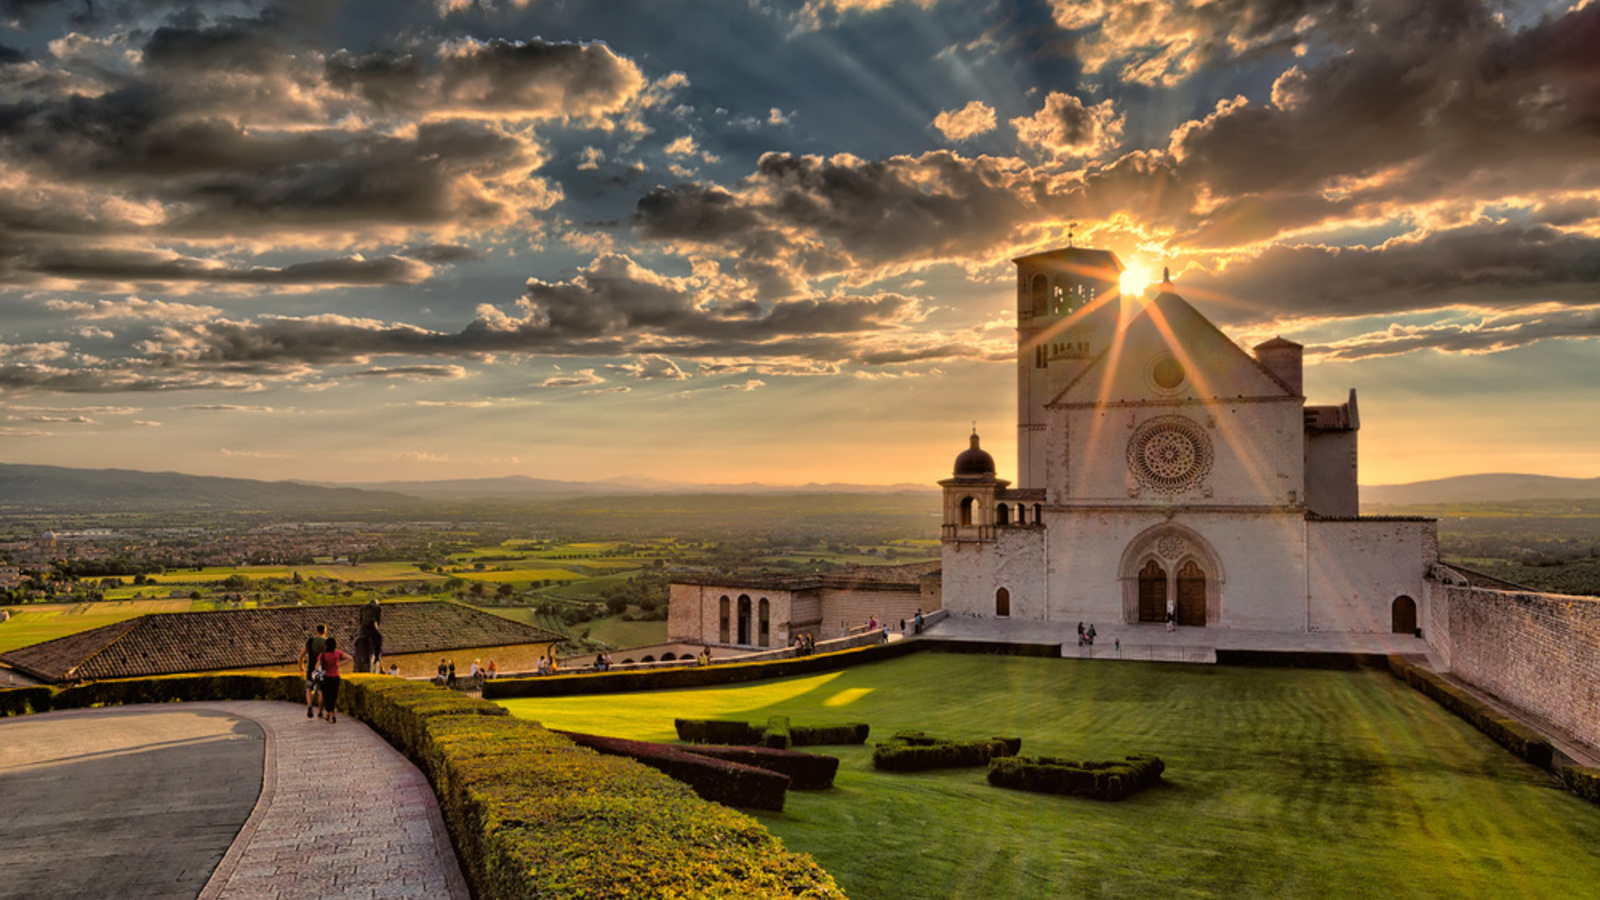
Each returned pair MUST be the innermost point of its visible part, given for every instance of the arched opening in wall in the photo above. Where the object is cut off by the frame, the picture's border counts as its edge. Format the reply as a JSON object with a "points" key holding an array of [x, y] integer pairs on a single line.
{"points": [[1038, 513], [1191, 595], [1404, 615], [744, 619], [1002, 515], [722, 629], [647, 658], [763, 629], [1039, 295], [1152, 593], [668, 656], [1002, 602], [966, 510], [1022, 513]]}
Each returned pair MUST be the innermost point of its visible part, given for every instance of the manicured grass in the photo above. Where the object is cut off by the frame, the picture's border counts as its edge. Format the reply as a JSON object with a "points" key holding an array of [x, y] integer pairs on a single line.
{"points": [[1279, 784]]}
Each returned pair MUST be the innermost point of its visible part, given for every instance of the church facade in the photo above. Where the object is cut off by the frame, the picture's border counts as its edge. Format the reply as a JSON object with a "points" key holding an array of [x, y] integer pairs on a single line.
{"points": [[1164, 471]]}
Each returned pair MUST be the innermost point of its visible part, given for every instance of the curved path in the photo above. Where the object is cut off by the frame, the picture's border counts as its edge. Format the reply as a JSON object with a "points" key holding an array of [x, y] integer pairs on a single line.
{"points": [[143, 802]]}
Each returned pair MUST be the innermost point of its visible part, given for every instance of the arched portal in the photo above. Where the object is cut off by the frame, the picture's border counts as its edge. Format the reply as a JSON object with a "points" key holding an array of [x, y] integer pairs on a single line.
{"points": [[1002, 514], [744, 619], [763, 628], [1404, 615], [1002, 602], [1152, 593], [1191, 595], [722, 630]]}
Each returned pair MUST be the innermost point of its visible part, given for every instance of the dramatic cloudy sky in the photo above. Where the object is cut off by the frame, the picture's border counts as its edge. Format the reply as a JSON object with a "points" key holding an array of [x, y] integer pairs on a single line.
{"points": [[728, 240]]}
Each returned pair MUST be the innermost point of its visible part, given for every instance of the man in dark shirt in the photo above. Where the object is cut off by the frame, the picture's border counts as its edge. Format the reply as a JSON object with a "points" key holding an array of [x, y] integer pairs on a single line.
{"points": [[308, 658]]}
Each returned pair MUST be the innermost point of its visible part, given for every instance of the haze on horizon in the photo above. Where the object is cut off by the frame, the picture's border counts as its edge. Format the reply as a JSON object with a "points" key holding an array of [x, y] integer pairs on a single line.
{"points": [[724, 242]]}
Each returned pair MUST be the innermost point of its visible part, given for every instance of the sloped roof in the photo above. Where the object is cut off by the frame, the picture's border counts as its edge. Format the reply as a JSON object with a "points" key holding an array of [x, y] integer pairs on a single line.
{"points": [[169, 643], [902, 577]]}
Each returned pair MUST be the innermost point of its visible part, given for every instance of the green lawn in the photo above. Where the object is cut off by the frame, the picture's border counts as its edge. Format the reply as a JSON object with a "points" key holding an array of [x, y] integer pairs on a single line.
{"points": [[1279, 784]]}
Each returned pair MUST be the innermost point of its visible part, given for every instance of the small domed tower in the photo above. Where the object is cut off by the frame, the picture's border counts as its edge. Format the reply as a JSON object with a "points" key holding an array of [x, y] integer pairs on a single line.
{"points": [[969, 496]]}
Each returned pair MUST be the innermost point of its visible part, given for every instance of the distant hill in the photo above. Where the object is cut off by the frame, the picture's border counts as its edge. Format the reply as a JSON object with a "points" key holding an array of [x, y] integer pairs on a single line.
{"points": [[1493, 488], [57, 489], [521, 487]]}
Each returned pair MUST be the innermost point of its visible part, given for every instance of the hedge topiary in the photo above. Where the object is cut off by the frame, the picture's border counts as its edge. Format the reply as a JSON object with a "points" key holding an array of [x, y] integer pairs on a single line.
{"points": [[718, 731], [1507, 732], [826, 735], [806, 771], [1583, 781], [913, 751], [718, 780], [1109, 780], [776, 737]]}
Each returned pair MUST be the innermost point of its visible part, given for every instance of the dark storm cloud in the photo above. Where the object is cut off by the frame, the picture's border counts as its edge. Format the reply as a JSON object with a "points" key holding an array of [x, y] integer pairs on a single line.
{"points": [[1488, 264], [9, 55], [444, 253], [94, 264]]}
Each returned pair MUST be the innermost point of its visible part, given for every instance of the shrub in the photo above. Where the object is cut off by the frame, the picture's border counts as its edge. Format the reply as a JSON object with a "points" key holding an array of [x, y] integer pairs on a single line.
{"points": [[21, 701], [718, 780], [1583, 781], [776, 736], [1507, 732], [1109, 780], [823, 735], [717, 731], [913, 751], [806, 771]]}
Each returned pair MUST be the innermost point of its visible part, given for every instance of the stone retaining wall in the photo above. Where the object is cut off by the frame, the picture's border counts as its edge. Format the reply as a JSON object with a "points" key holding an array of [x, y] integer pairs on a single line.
{"points": [[1537, 652]]}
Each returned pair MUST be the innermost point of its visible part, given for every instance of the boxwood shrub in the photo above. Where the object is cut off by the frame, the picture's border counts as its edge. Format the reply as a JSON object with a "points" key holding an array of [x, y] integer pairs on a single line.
{"points": [[1109, 780], [718, 731], [806, 771], [1503, 730], [776, 736], [718, 780], [1583, 781], [913, 751], [825, 735], [532, 814]]}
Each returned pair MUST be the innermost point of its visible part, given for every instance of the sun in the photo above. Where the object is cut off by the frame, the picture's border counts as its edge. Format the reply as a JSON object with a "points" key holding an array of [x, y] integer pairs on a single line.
{"points": [[1136, 277]]}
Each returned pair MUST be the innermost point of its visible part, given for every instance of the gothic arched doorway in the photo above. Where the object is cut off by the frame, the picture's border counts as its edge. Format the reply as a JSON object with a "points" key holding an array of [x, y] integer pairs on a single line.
{"points": [[1002, 602], [1404, 615], [1191, 595], [744, 619], [1152, 593]]}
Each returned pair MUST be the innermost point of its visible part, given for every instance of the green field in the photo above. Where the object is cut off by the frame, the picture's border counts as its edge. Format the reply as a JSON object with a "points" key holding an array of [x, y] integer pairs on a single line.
{"points": [[366, 573], [1279, 784], [41, 622]]}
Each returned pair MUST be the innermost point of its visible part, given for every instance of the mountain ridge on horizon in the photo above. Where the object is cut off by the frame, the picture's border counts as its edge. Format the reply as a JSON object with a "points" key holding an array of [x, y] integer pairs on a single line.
{"points": [[59, 487]]}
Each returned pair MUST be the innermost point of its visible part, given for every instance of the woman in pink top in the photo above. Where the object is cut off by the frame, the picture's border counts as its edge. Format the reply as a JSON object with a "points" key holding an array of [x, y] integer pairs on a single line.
{"points": [[330, 659]]}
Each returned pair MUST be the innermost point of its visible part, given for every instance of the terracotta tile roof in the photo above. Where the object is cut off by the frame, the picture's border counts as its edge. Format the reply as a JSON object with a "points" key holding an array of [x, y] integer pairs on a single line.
{"points": [[902, 577], [168, 643]]}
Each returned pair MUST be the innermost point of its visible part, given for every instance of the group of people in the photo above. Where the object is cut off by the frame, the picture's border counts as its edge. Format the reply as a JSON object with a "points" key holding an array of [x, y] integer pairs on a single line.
{"points": [[602, 662], [547, 666], [324, 661], [1086, 635], [804, 644]]}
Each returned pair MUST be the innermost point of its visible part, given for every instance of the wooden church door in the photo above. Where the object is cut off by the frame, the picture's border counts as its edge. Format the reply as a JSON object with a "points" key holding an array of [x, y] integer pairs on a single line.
{"points": [[1191, 595], [1152, 593]]}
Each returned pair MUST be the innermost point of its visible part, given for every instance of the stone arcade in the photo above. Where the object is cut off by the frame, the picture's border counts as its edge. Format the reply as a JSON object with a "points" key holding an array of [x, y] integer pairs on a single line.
{"points": [[1161, 469], [1164, 470]]}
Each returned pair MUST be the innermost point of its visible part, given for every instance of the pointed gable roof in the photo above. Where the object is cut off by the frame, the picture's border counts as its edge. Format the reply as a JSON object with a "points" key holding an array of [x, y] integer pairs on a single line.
{"points": [[169, 643], [1213, 366]]}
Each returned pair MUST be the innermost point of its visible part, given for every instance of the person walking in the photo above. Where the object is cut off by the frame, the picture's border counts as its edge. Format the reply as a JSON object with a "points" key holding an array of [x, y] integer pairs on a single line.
{"points": [[309, 656], [330, 659]]}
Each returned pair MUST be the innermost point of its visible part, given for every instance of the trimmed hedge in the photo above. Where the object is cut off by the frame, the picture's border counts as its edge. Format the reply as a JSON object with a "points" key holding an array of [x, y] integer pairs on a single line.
{"points": [[718, 780], [532, 814], [1507, 732], [1583, 781], [1109, 780], [737, 733], [827, 735], [1302, 659], [776, 736], [913, 751], [21, 701], [806, 771]]}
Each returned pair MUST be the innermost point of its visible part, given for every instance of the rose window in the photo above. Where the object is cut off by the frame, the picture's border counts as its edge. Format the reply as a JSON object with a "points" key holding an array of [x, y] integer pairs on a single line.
{"points": [[1169, 455]]}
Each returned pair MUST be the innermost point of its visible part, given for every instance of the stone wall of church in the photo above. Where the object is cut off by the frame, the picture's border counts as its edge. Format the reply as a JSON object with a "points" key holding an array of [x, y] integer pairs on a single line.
{"points": [[1356, 570], [973, 572], [694, 614], [1535, 651], [843, 609]]}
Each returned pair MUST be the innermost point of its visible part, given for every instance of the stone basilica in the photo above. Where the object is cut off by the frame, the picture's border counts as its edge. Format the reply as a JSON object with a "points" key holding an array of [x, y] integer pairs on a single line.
{"points": [[1163, 470]]}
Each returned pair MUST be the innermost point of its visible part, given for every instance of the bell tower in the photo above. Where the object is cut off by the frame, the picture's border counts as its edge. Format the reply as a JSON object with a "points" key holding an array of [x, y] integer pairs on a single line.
{"points": [[1069, 305]]}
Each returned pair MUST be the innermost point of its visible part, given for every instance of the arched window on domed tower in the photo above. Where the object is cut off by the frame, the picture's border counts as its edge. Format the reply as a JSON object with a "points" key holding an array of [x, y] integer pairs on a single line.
{"points": [[1002, 514], [1039, 290], [966, 510]]}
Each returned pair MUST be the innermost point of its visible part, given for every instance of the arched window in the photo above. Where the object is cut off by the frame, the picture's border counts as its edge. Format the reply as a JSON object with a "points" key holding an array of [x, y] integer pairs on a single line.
{"points": [[668, 657], [1061, 304], [1404, 615], [1040, 295], [722, 630], [744, 619], [1022, 513], [1002, 602], [648, 658], [1002, 515], [966, 510], [763, 635], [1038, 513]]}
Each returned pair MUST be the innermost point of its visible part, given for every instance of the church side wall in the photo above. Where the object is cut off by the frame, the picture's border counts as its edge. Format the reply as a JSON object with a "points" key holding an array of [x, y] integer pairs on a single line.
{"points": [[1534, 651], [843, 609], [973, 571], [1356, 570], [1331, 474]]}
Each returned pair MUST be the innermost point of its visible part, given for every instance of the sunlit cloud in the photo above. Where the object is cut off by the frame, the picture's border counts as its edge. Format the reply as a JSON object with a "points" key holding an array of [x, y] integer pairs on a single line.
{"points": [[970, 121]]}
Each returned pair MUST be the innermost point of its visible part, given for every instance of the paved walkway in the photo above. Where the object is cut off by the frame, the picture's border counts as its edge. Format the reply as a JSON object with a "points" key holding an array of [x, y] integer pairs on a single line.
{"points": [[340, 815]]}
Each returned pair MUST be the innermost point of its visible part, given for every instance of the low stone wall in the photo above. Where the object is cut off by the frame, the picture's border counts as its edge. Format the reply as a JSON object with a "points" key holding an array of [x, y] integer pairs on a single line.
{"points": [[1537, 652]]}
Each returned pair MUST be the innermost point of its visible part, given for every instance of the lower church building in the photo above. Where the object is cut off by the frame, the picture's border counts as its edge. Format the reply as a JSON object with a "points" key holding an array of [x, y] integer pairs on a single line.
{"points": [[1163, 472]]}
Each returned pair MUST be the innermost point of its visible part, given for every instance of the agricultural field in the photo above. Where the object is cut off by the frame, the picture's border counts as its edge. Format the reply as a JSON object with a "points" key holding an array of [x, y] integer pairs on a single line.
{"points": [[364, 573], [40, 622], [1309, 785]]}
